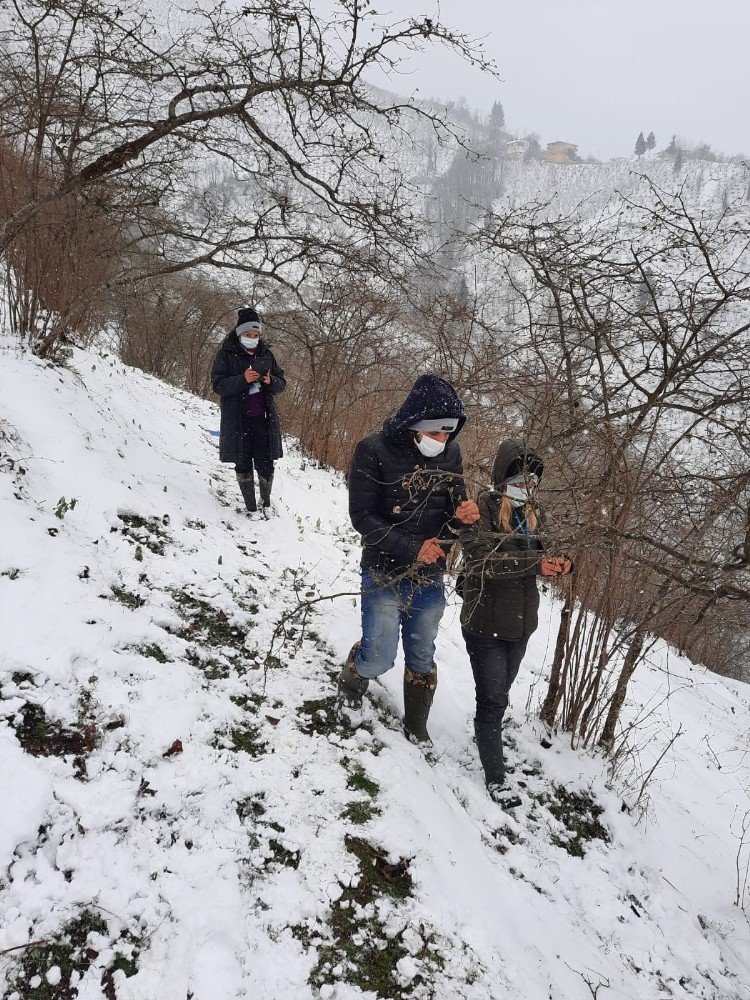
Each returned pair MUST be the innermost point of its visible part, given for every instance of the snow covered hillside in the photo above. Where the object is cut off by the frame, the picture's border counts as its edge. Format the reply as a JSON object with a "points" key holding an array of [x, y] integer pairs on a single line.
{"points": [[181, 818], [588, 188]]}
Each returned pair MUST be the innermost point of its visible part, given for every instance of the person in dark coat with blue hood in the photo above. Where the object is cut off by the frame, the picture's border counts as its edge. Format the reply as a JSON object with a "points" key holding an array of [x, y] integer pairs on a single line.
{"points": [[408, 501], [247, 378]]}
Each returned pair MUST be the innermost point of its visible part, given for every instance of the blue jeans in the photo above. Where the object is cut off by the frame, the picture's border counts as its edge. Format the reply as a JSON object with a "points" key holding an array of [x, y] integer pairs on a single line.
{"points": [[413, 609]]}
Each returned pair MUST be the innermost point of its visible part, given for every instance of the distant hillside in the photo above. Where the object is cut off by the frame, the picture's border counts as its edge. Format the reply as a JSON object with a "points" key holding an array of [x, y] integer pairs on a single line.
{"points": [[507, 172]]}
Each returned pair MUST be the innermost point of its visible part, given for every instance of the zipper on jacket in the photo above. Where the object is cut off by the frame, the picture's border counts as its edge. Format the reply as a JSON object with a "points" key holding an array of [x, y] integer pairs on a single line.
{"points": [[523, 528]]}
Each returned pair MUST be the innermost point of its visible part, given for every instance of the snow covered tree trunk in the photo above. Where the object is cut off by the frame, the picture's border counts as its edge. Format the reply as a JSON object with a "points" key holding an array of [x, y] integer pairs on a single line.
{"points": [[548, 711], [632, 658]]}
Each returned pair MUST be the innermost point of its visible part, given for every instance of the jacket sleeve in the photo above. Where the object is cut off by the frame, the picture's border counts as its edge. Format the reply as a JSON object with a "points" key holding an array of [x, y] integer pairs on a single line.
{"points": [[457, 495], [278, 381], [223, 381], [485, 555], [365, 483]]}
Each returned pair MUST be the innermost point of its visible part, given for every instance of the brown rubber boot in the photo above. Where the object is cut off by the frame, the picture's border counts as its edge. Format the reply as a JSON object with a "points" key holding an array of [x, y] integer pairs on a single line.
{"points": [[352, 687], [419, 690]]}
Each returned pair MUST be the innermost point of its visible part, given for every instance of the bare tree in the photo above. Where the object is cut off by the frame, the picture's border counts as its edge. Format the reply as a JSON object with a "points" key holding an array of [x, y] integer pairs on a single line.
{"points": [[247, 139], [55, 269], [634, 351], [171, 327]]}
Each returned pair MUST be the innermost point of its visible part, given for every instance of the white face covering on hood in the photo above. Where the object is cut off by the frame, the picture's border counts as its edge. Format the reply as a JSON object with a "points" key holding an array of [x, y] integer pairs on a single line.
{"points": [[517, 495], [249, 343], [429, 447], [517, 492]]}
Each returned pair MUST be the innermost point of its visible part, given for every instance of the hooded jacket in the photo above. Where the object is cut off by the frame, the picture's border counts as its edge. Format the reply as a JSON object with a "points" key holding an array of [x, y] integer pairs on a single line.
{"points": [[398, 498], [500, 593], [228, 381]]}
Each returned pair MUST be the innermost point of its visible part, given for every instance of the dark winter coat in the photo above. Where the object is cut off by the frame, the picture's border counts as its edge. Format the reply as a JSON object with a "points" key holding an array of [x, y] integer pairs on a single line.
{"points": [[228, 381], [397, 497], [500, 593]]}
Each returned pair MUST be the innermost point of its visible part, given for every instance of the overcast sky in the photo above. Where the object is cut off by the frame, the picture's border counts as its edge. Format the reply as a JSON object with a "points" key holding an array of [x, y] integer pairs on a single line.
{"points": [[597, 72]]}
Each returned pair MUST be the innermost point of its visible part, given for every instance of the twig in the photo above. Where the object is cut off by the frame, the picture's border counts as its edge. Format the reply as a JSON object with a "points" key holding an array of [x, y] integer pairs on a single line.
{"points": [[303, 607], [593, 989], [742, 876], [20, 947], [658, 761]]}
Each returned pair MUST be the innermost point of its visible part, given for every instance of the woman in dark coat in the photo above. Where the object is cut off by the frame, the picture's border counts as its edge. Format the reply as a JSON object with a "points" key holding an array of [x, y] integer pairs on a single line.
{"points": [[247, 378], [503, 555]]}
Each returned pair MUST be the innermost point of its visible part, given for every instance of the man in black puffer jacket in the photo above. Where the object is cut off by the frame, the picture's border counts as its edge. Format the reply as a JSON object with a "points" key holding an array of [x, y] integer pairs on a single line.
{"points": [[247, 378], [407, 499]]}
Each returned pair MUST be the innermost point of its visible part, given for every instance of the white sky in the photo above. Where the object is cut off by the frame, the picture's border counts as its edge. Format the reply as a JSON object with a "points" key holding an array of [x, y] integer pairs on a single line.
{"points": [[597, 72]]}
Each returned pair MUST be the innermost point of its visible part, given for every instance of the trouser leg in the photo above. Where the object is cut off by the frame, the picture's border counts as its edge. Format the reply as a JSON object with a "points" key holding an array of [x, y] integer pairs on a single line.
{"points": [[515, 654], [422, 609], [256, 454], [494, 663], [381, 617]]}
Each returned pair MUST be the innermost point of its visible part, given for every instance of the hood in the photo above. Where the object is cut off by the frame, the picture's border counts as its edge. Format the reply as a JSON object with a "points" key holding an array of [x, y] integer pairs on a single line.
{"points": [[430, 397], [513, 457]]}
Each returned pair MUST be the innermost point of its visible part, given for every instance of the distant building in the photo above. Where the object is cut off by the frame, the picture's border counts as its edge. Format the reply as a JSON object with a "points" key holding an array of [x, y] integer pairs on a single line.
{"points": [[555, 156], [560, 152], [516, 147]]}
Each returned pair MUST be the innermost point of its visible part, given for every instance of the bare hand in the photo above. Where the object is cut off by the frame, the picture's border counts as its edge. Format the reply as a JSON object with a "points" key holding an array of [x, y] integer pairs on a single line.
{"points": [[430, 552], [251, 375], [467, 512], [555, 566], [267, 378]]}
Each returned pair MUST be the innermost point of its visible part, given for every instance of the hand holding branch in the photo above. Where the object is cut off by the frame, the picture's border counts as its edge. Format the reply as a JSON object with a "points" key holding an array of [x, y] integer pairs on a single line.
{"points": [[556, 566], [467, 512], [431, 552]]}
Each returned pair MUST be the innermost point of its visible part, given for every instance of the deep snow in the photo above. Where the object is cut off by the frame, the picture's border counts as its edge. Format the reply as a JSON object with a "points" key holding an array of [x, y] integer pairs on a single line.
{"points": [[223, 871]]}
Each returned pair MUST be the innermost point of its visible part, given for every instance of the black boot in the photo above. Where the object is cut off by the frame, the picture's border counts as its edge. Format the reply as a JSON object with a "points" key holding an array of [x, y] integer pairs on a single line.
{"points": [[247, 488], [264, 487], [489, 737], [505, 797], [419, 690], [352, 687]]}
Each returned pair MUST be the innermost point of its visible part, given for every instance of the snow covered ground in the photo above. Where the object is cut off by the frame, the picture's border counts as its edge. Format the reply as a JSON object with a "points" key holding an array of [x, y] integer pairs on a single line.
{"points": [[267, 854]]}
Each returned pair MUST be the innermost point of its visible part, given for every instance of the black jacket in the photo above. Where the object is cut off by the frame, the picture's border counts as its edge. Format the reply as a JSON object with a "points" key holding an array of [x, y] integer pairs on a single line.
{"points": [[397, 497], [500, 593], [228, 381]]}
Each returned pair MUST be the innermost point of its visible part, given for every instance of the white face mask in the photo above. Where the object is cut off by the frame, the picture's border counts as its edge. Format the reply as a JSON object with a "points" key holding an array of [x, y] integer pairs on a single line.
{"points": [[519, 495], [249, 343], [521, 489], [429, 447]]}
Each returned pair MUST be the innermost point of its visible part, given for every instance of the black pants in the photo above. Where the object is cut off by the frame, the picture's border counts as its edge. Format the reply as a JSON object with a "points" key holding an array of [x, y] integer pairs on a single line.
{"points": [[255, 451], [495, 664], [263, 466]]}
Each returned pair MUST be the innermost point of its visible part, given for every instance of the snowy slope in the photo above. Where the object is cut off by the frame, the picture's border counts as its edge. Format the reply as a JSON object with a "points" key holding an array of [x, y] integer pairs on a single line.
{"points": [[274, 856], [587, 188]]}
